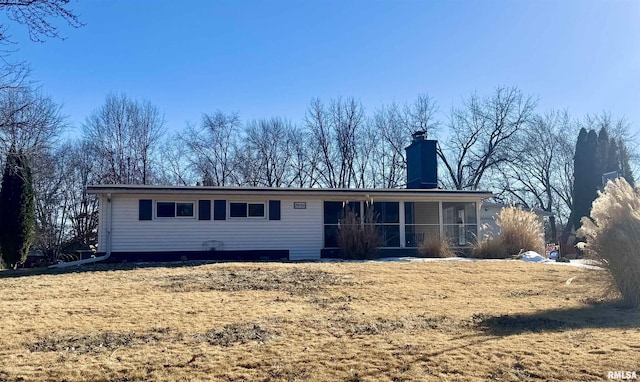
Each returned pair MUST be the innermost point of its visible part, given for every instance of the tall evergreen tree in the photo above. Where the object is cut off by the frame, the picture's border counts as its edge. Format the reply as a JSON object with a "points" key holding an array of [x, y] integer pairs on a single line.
{"points": [[17, 210], [613, 158], [580, 175], [602, 150], [595, 155], [623, 163], [594, 171]]}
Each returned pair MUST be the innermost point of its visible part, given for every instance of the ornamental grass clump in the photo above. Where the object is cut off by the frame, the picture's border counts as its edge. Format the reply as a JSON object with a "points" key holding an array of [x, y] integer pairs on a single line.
{"points": [[520, 231], [434, 246], [612, 234], [489, 248], [359, 240]]}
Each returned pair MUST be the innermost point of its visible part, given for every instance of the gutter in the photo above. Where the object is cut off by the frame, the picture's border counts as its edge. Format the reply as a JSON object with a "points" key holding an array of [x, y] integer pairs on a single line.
{"points": [[380, 194], [108, 244]]}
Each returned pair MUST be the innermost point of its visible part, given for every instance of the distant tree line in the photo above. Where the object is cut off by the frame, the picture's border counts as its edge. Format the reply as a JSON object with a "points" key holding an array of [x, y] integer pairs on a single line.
{"points": [[498, 141], [30, 124]]}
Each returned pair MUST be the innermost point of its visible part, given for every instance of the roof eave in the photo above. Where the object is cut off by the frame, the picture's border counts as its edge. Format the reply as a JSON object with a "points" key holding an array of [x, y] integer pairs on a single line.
{"points": [[136, 189]]}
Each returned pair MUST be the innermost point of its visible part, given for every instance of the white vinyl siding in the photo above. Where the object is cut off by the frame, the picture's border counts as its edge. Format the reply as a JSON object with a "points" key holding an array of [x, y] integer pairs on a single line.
{"points": [[299, 230], [102, 223]]}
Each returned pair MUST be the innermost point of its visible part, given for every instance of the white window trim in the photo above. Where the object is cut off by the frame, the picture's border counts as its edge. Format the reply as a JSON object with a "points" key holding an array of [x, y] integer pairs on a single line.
{"points": [[175, 209], [264, 204]]}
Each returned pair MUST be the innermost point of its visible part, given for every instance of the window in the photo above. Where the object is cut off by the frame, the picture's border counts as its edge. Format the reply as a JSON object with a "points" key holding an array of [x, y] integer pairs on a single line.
{"points": [[387, 212], [333, 212], [174, 209], [238, 210], [422, 222], [387, 215], [460, 222], [184, 209], [165, 209], [243, 210], [256, 210]]}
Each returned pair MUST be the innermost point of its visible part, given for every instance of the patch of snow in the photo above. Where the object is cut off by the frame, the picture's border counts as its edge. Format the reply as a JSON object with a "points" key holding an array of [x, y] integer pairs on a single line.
{"points": [[534, 257], [424, 259], [530, 256]]}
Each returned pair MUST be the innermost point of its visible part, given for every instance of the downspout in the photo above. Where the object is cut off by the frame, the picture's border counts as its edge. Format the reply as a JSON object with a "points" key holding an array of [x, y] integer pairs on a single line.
{"points": [[107, 243], [479, 233]]}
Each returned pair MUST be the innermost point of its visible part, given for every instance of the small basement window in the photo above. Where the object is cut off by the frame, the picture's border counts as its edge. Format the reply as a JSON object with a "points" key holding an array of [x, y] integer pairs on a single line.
{"points": [[174, 209], [243, 210]]}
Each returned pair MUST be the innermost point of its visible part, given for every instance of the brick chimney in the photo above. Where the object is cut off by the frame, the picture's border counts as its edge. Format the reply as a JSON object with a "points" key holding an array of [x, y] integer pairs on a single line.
{"points": [[422, 162]]}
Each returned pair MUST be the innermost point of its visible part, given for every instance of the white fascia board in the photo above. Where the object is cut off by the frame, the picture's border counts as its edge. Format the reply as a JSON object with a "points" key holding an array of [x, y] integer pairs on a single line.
{"points": [[328, 194]]}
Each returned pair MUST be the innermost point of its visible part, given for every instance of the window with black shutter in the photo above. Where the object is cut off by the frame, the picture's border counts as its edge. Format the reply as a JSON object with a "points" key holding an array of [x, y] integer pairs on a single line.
{"points": [[274, 210], [204, 209], [219, 210], [145, 209]]}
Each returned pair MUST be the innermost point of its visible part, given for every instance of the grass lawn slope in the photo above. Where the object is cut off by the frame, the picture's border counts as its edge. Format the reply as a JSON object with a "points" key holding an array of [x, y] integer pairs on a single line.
{"points": [[369, 321]]}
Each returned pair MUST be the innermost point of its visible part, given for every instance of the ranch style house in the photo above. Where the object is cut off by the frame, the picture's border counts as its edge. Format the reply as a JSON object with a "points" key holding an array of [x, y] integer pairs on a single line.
{"points": [[165, 223]]}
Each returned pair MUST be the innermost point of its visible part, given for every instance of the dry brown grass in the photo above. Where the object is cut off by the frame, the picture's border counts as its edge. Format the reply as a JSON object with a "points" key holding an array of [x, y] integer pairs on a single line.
{"points": [[374, 321]]}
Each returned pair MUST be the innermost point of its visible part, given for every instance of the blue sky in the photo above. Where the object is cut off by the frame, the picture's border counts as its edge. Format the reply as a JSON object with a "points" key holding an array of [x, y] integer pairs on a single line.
{"points": [[269, 58]]}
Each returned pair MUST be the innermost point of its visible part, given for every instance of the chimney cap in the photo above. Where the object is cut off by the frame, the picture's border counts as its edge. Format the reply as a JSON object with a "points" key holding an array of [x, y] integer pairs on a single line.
{"points": [[419, 135]]}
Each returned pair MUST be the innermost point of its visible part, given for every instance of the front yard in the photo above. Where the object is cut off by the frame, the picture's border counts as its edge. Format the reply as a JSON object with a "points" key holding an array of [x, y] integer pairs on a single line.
{"points": [[394, 321]]}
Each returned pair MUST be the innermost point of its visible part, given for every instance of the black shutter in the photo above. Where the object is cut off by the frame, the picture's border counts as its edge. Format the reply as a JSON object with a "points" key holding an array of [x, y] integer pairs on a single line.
{"points": [[274, 210], [219, 210], [145, 209], [204, 209]]}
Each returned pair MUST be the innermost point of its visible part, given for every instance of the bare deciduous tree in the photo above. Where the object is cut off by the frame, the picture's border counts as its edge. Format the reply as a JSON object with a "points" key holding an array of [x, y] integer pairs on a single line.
{"points": [[37, 16], [269, 143], [390, 163], [66, 215], [125, 135], [395, 125], [481, 135], [212, 147], [174, 167], [537, 177], [52, 201], [29, 121], [334, 130], [82, 170], [304, 160], [366, 142]]}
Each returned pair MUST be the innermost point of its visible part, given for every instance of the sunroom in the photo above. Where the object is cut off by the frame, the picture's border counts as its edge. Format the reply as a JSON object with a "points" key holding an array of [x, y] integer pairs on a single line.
{"points": [[405, 225]]}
